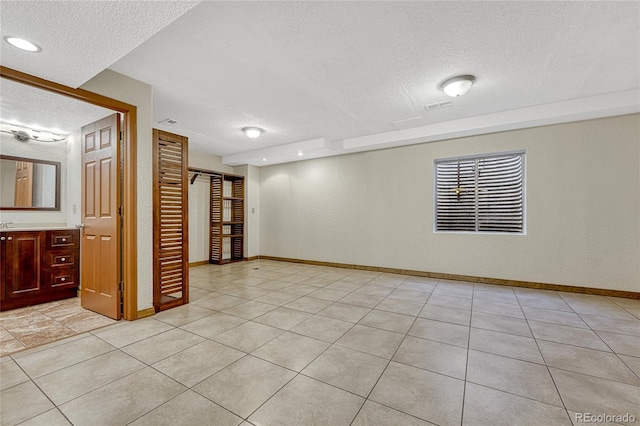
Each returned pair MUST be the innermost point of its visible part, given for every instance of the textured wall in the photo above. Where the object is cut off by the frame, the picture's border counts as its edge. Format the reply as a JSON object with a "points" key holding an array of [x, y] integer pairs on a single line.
{"points": [[125, 89], [376, 208]]}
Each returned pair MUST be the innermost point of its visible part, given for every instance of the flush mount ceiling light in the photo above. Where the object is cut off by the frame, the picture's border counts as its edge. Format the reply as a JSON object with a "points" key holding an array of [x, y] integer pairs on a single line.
{"points": [[22, 44], [252, 132], [457, 86]]}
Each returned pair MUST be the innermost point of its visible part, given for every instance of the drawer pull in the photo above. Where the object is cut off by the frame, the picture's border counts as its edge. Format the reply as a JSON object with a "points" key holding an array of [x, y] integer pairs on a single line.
{"points": [[63, 259], [64, 240], [63, 279]]}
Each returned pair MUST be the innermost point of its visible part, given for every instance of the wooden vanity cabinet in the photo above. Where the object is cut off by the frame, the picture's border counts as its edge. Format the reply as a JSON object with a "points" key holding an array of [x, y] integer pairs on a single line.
{"points": [[38, 266], [22, 254]]}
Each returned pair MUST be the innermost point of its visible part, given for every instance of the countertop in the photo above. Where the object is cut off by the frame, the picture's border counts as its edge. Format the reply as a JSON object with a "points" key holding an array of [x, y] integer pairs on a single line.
{"points": [[38, 228]]}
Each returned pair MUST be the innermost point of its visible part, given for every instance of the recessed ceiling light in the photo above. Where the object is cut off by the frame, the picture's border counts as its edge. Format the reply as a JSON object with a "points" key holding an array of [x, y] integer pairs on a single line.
{"points": [[264, 159], [457, 86], [300, 154], [252, 132], [22, 44]]}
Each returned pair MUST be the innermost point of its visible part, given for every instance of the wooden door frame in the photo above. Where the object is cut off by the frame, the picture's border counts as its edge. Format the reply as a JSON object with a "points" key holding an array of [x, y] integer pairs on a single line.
{"points": [[129, 152]]}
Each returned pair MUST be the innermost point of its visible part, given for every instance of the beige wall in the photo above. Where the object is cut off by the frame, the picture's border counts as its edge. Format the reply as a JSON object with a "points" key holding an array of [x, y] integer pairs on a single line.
{"points": [[134, 92], [376, 208], [251, 208]]}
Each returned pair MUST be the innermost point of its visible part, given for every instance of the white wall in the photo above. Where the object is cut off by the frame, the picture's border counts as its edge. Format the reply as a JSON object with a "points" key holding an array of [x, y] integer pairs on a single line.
{"points": [[376, 208], [201, 160], [74, 183], [199, 202], [41, 151], [134, 92]]}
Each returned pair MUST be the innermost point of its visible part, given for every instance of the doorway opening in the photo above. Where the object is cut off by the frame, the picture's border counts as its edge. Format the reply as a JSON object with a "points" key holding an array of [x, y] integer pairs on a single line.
{"points": [[126, 247]]}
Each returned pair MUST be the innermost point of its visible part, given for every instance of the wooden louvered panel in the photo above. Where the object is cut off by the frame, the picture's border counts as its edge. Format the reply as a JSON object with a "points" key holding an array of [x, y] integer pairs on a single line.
{"points": [[170, 254], [215, 227]]}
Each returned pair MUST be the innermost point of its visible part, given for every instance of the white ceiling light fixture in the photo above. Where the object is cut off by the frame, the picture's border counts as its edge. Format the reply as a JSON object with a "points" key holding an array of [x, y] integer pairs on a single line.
{"points": [[457, 86], [252, 132], [22, 44]]}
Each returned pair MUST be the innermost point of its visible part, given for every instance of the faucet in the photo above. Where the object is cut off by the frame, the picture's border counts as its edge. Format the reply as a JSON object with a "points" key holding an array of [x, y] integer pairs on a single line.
{"points": [[5, 225]]}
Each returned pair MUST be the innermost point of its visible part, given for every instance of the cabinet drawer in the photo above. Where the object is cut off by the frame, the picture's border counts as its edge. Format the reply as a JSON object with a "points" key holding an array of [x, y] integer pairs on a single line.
{"points": [[63, 278], [63, 239], [61, 258]]}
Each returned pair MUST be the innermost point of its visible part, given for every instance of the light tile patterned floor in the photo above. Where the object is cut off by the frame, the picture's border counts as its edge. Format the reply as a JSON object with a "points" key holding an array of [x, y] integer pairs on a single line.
{"points": [[33, 326], [273, 343]]}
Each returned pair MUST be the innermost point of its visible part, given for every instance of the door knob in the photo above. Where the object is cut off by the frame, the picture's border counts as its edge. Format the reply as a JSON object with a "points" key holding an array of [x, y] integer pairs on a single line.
{"points": [[9, 238], [3, 238]]}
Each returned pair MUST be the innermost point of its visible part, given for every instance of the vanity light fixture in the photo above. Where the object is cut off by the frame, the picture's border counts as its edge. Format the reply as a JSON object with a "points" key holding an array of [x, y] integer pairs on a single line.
{"points": [[252, 132], [457, 86], [22, 44], [26, 133]]}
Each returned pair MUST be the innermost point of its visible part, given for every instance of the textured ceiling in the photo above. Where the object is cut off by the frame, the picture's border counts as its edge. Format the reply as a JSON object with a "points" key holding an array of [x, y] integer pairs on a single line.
{"points": [[80, 38], [336, 70], [331, 77], [38, 109]]}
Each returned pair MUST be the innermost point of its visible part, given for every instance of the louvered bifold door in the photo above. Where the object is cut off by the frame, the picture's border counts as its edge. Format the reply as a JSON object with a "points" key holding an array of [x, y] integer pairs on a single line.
{"points": [[170, 233], [215, 226]]}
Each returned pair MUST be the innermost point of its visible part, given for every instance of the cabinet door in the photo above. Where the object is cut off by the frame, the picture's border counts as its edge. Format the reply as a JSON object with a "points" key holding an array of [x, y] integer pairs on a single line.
{"points": [[24, 253], [4, 266]]}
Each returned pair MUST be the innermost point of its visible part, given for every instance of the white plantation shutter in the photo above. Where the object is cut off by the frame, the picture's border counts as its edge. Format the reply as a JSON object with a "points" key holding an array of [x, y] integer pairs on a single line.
{"points": [[456, 198], [482, 194]]}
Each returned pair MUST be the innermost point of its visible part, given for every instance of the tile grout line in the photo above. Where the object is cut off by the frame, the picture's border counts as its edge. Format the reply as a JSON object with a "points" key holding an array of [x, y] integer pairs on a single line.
{"points": [[389, 363], [298, 373], [547, 367], [370, 309], [466, 368]]}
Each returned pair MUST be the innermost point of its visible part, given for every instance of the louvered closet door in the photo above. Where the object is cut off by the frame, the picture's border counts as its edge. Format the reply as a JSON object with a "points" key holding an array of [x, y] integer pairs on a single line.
{"points": [[215, 226], [170, 215]]}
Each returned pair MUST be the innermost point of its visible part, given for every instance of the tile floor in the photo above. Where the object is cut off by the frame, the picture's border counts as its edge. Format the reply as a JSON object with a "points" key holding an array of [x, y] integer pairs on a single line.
{"points": [[48, 322], [271, 343]]}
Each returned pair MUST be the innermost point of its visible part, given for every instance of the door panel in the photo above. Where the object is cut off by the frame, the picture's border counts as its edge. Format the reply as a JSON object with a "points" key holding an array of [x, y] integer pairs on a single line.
{"points": [[24, 251], [100, 265], [170, 226], [24, 184]]}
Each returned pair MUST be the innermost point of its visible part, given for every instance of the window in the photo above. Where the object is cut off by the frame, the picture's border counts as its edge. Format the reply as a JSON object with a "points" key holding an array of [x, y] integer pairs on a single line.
{"points": [[480, 194]]}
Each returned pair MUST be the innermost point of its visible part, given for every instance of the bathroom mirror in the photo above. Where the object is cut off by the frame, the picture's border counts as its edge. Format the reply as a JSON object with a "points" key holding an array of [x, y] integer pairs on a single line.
{"points": [[29, 184]]}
